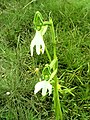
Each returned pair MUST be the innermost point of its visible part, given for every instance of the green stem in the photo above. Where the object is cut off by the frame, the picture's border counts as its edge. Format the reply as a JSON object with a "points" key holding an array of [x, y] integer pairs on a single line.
{"points": [[58, 112], [49, 57], [53, 38]]}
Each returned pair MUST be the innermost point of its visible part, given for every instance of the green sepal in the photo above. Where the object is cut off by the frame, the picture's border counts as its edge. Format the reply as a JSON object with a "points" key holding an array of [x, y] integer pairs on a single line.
{"points": [[53, 74], [53, 62], [38, 21]]}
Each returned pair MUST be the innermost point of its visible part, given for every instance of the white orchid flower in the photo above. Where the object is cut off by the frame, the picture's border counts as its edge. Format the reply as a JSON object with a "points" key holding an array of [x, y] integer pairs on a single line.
{"points": [[38, 41], [44, 85]]}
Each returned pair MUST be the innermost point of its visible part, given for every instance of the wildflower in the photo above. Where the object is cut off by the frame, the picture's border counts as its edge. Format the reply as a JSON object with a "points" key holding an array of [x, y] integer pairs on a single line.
{"points": [[44, 85], [38, 41]]}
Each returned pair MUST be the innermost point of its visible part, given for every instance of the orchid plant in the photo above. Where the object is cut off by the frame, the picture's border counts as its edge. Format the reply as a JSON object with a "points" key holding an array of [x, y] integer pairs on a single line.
{"points": [[49, 73]]}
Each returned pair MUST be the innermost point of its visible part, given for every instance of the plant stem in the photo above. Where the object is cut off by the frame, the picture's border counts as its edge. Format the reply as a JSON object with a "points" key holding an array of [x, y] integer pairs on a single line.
{"points": [[58, 112], [53, 38], [49, 57]]}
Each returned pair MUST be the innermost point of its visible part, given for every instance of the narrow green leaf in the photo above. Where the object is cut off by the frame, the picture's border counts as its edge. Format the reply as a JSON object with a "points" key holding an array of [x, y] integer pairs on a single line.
{"points": [[53, 74], [53, 63]]}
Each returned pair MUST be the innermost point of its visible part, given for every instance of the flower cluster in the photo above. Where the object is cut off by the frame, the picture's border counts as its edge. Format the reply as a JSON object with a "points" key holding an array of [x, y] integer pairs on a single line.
{"points": [[40, 46]]}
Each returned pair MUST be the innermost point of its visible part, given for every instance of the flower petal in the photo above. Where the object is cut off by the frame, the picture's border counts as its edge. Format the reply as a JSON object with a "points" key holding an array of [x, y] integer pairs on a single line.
{"points": [[44, 90], [32, 45], [38, 41], [43, 47], [50, 88], [31, 48], [44, 85], [38, 86], [38, 49], [47, 86]]}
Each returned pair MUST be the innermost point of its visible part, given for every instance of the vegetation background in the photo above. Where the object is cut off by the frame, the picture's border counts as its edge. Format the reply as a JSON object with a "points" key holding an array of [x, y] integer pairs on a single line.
{"points": [[17, 68]]}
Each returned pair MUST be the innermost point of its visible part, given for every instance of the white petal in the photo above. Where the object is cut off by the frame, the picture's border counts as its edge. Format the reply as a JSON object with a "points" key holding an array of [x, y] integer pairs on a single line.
{"points": [[50, 88], [38, 41], [38, 49], [43, 47], [38, 86], [31, 48], [44, 85], [44, 90], [32, 45]]}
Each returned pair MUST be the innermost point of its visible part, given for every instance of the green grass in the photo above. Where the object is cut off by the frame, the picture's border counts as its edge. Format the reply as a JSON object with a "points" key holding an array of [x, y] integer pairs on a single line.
{"points": [[17, 69]]}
